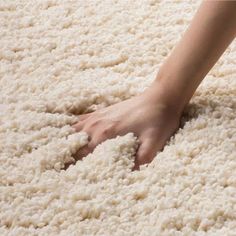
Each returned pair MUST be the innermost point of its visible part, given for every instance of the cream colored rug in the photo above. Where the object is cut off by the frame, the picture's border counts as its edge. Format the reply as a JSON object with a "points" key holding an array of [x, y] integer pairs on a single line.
{"points": [[62, 58]]}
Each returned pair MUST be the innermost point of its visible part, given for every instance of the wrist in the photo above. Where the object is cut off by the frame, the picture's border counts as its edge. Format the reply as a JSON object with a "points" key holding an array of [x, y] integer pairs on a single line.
{"points": [[162, 94]]}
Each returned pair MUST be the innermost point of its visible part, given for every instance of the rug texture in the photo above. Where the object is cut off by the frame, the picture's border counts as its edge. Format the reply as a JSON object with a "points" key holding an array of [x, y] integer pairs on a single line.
{"points": [[62, 58]]}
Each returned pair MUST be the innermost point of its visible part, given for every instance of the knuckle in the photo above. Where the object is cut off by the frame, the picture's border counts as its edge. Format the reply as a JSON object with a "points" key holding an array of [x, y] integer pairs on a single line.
{"points": [[106, 131], [91, 145]]}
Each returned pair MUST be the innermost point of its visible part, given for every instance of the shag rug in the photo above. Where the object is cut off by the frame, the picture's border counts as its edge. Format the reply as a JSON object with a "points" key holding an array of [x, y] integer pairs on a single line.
{"points": [[61, 58]]}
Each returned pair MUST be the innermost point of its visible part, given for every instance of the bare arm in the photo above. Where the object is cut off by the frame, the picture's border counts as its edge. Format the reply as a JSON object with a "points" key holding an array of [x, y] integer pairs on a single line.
{"points": [[212, 29], [154, 115]]}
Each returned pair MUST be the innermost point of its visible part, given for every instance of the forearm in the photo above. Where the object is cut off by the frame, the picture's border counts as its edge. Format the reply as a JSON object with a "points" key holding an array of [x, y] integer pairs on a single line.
{"points": [[212, 29]]}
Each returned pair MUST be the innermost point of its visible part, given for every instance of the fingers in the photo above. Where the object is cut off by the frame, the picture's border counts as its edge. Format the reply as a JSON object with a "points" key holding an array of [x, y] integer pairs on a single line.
{"points": [[84, 116], [78, 126], [85, 150], [82, 152], [146, 152], [96, 137]]}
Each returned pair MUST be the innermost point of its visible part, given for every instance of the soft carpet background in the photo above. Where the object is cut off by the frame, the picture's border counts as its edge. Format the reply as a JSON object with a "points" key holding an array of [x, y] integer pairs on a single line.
{"points": [[62, 58]]}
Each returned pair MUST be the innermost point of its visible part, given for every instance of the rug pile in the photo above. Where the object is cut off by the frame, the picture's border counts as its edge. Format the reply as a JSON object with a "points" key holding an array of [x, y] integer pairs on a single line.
{"points": [[62, 58]]}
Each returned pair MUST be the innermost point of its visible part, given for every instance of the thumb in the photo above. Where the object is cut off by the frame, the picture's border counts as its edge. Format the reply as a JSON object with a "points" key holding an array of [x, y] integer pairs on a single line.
{"points": [[145, 153]]}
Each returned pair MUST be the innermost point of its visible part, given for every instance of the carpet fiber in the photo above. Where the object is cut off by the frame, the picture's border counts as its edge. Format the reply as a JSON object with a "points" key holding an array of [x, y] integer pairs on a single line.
{"points": [[62, 58]]}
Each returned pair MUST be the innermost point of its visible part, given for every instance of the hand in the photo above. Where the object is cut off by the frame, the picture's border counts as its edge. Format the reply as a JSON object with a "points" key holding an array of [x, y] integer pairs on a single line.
{"points": [[147, 117]]}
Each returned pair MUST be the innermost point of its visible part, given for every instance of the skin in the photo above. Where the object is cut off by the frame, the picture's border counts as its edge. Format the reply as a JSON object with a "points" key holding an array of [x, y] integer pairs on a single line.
{"points": [[154, 116]]}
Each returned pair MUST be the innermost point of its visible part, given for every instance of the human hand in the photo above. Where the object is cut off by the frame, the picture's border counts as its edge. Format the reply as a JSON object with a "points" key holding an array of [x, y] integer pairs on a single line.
{"points": [[149, 118]]}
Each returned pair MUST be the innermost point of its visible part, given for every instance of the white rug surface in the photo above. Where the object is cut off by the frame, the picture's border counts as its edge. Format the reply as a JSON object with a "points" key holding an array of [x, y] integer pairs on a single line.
{"points": [[62, 58]]}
